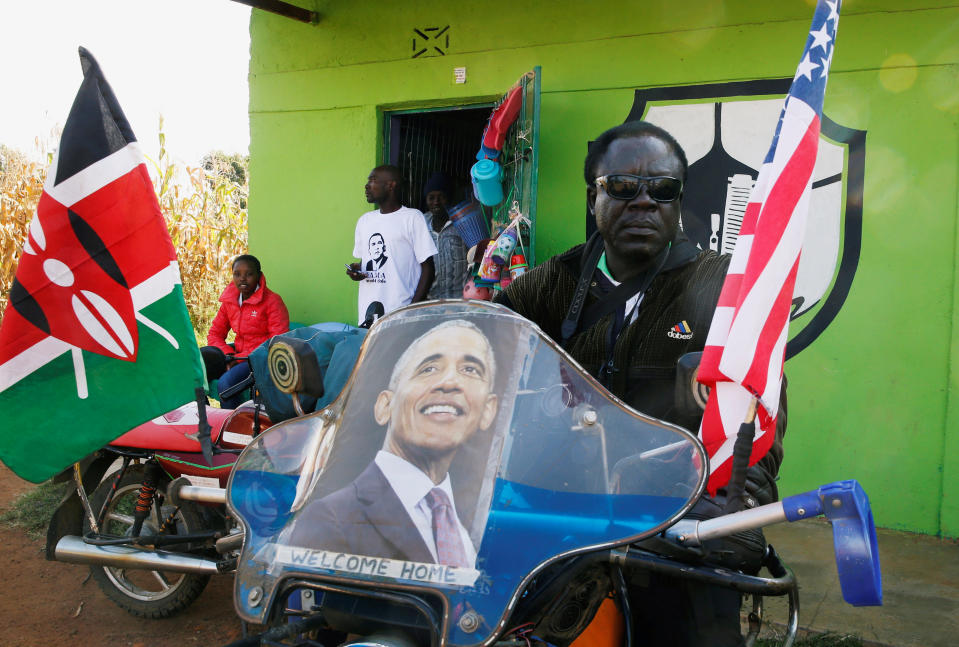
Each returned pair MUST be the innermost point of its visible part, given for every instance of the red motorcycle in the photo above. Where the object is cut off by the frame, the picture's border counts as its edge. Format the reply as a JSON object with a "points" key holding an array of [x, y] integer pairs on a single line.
{"points": [[149, 555]]}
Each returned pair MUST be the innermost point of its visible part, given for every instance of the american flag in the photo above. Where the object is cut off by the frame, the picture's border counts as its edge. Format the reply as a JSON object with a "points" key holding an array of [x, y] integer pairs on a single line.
{"points": [[743, 356]]}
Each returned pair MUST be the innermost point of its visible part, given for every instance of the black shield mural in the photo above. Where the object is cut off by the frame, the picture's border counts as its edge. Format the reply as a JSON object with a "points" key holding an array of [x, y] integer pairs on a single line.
{"points": [[725, 130]]}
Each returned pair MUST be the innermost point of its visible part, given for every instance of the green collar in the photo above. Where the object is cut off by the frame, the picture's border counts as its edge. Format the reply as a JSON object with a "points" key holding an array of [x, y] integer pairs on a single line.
{"points": [[601, 266]]}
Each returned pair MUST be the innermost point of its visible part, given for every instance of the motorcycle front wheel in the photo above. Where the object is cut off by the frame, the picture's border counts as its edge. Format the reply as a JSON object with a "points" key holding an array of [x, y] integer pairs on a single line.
{"points": [[143, 593]]}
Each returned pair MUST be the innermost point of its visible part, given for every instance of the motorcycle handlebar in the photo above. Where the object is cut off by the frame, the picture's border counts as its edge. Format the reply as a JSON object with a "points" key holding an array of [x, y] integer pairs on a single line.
{"points": [[846, 506], [689, 532]]}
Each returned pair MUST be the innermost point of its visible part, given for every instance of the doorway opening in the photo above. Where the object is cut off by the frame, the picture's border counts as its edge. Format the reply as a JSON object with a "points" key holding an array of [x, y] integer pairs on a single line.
{"points": [[422, 142]]}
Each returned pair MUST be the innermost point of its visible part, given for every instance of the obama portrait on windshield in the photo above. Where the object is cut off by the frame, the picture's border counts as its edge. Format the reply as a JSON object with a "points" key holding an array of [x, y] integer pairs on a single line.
{"points": [[402, 506]]}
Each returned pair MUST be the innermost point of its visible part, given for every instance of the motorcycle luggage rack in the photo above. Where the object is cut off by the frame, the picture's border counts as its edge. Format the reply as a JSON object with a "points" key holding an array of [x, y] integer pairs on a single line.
{"points": [[433, 621]]}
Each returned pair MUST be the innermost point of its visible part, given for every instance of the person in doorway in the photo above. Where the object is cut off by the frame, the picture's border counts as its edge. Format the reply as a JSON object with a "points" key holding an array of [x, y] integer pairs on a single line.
{"points": [[404, 274], [639, 276], [255, 313], [450, 260], [402, 506]]}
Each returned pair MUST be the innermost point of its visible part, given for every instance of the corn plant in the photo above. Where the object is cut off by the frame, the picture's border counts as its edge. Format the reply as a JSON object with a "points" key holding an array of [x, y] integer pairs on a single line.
{"points": [[21, 183], [206, 216]]}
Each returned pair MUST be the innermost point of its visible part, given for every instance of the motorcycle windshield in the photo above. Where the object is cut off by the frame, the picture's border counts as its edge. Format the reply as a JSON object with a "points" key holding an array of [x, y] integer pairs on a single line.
{"points": [[466, 452]]}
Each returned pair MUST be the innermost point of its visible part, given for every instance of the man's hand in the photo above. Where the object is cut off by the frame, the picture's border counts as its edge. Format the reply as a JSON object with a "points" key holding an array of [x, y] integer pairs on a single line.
{"points": [[353, 271]]}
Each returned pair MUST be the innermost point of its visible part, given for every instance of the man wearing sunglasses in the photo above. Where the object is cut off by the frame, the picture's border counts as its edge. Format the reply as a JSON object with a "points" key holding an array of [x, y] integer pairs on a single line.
{"points": [[627, 305]]}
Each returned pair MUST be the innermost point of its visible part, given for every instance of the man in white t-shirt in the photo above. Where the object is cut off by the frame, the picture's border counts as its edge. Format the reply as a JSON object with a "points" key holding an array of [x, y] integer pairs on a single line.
{"points": [[394, 245]]}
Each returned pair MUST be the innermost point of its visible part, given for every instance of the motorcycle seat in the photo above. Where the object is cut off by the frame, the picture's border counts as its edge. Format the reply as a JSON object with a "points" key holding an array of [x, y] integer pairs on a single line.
{"points": [[175, 430]]}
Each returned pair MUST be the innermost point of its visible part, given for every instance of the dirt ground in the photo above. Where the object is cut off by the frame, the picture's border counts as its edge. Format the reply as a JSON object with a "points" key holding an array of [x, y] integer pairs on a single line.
{"points": [[46, 603]]}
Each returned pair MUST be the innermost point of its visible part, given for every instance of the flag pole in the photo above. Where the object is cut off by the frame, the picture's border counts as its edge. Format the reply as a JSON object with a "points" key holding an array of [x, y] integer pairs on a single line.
{"points": [[742, 449]]}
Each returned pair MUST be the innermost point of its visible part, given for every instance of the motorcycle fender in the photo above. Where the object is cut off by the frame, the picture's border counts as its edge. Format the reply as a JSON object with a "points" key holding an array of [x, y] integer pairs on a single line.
{"points": [[68, 517]]}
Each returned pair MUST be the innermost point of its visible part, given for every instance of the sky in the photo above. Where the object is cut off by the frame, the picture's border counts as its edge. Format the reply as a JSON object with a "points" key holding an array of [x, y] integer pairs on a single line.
{"points": [[186, 60]]}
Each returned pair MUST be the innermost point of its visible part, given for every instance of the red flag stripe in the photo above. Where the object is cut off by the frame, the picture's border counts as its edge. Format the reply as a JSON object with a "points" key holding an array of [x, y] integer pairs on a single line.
{"points": [[764, 374], [730, 292], [777, 212]]}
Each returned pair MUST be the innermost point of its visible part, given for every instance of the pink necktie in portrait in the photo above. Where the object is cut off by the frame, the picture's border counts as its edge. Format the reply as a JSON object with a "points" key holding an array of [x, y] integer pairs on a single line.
{"points": [[449, 545]]}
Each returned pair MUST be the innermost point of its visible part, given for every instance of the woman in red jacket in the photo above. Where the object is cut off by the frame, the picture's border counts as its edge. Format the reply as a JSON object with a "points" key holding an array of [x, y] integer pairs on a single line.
{"points": [[255, 313]]}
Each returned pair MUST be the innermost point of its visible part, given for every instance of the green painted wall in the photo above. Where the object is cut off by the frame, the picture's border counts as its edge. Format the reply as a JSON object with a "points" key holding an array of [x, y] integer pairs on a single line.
{"points": [[876, 397]]}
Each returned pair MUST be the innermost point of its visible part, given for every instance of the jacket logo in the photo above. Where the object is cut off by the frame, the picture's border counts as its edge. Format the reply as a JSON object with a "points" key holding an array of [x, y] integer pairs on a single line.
{"points": [[680, 331]]}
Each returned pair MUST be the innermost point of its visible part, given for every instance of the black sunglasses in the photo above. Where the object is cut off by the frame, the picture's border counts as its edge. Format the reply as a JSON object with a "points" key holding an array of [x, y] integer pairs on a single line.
{"points": [[626, 187]]}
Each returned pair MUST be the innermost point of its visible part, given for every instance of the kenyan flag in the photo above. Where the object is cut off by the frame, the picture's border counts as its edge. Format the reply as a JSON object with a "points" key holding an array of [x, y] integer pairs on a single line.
{"points": [[96, 337]]}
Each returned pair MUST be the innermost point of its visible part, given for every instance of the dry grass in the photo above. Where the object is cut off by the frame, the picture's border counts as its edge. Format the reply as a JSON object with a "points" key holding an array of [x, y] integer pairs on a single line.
{"points": [[815, 640], [205, 214]]}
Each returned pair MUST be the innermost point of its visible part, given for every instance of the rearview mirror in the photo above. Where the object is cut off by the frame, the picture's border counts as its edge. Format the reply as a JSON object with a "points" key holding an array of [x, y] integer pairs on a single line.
{"points": [[294, 367]]}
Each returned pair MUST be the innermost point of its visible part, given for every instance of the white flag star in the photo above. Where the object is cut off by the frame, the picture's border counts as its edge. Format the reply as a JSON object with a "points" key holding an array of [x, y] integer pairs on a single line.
{"points": [[826, 63], [822, 39], [833, 14], [805, 68]]}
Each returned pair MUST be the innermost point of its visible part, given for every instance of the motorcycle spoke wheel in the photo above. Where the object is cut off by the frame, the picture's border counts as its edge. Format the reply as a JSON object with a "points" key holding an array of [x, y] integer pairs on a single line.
{"points": [[144, 593], [161, 579], [144, 585]]}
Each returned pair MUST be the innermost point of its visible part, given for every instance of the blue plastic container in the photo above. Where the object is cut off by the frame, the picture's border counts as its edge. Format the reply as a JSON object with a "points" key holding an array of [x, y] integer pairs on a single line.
{"points": [[467, 218], [487, 182]]}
